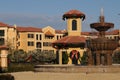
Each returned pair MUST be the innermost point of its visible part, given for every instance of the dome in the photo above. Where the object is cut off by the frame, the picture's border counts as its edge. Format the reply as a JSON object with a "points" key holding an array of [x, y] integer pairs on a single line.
{"points": [[74, 14]]}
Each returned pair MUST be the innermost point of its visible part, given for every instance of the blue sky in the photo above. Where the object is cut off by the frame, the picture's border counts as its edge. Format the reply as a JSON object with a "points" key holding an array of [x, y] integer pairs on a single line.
{"points": [[41, 13]]}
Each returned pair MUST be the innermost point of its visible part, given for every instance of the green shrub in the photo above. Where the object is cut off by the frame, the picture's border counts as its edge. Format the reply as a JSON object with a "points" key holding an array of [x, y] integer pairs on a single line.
{"points": [[116, 58], [65, 58], [6, 77], [17, 67], [84, 59]]}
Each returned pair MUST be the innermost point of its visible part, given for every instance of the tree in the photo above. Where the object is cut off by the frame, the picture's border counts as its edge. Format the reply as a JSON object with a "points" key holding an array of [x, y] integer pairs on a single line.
{"points": [[116, 57], [43, 56], [84, 59], [65, 58], [17, 56]]}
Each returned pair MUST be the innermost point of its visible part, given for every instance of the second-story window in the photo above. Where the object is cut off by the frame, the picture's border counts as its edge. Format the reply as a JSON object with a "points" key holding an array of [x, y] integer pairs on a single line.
{"points": [[30, 43], [40, 37], [38, 45], [36, 36], [30, 35], [57, 37], [2, 33], [47, 44]]}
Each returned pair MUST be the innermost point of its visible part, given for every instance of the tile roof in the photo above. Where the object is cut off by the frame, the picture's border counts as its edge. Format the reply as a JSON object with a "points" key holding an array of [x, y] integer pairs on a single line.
{"points": [[3, 24], [89, 33], [113, 32], [29, 29], [60, 31], [71, 39], [48, 33], [73, 14], [3, 47]]}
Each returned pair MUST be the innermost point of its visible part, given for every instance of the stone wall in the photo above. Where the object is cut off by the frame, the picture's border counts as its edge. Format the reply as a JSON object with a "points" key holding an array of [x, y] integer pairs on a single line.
{"points": [[77, 69]]}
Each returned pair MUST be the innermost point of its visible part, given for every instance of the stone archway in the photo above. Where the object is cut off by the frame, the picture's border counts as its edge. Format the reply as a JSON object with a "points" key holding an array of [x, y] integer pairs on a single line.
{"points": [[74, 55]]}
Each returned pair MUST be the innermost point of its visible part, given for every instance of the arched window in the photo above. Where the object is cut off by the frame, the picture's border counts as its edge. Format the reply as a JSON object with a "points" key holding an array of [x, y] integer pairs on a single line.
{"points": [[38, 45], [74, 25]]}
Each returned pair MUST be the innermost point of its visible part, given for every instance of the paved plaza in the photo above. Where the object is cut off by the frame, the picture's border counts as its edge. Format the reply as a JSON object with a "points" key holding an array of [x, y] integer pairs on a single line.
{"points": [[65, 76]]}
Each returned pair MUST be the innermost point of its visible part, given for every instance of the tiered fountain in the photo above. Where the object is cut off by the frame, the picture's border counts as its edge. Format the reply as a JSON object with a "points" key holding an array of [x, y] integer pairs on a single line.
{"points": [[100, 49]]}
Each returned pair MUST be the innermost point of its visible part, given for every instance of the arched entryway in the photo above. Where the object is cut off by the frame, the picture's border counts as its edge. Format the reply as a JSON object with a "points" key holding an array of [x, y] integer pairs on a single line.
{"points": [[74, 55]]}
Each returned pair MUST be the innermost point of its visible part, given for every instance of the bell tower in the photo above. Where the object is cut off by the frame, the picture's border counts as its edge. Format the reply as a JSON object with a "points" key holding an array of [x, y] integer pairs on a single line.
{"points": [[74, 22]]}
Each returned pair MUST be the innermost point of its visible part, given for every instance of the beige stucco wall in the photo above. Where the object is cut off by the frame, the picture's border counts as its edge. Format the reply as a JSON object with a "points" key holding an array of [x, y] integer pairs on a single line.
{"points": [[11, 37], [69, 27], [3, 58], [23, 39]]}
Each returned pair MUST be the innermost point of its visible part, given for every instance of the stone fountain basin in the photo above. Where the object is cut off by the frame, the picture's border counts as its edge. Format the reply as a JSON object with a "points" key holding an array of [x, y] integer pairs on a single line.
{"points": [[103, 44], [102, 26]]}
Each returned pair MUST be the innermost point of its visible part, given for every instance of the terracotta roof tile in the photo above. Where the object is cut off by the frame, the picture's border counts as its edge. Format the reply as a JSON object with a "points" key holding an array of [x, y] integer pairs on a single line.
{"points": [[29, 29], [3, 47], [3, 24], [74, 13], [71, 39], [85, 33], [90, 33], [113, 32], [60, 31], [48, 33]]}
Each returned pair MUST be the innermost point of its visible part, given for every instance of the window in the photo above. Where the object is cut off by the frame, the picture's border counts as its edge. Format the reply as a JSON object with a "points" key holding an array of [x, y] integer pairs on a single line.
{"points": [[1, 32], [36, 36], [51, 51], [46, 44], [40, 37], [49, 37], [74, 25], [18, 44], [1, 41], [57, 37], [116, 37], [30, 43], [30, 35], [38, 44]]}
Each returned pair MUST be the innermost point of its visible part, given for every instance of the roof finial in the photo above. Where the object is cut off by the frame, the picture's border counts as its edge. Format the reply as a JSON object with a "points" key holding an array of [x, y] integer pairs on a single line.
{"points": [[15, 26]]}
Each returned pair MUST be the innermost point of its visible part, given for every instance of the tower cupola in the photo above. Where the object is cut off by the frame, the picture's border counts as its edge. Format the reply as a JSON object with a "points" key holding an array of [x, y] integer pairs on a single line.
{"points": [[74, 22]]}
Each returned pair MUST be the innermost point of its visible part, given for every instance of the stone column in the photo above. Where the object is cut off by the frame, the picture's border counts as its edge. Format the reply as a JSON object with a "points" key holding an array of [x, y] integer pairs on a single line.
{"points": [[90, 60], [97, 58], [109, 59], [4, 62], [60, 57]]}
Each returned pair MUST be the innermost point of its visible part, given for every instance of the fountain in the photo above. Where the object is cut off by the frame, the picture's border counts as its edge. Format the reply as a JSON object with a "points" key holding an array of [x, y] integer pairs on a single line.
{"points": [[100, 49]]}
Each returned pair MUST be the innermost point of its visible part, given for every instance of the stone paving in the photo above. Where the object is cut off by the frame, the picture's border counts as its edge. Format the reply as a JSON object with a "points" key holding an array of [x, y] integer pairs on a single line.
{"points": [[65, 76]]}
